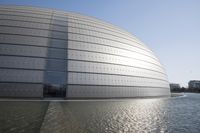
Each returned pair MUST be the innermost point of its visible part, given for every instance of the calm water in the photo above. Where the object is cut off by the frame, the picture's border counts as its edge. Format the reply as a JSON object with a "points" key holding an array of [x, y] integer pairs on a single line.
{"points": [[178, 114]]}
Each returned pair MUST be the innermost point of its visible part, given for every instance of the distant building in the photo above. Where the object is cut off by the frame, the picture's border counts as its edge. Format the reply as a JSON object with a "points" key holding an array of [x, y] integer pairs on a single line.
{"points": [[194, 84], [174, 87]]}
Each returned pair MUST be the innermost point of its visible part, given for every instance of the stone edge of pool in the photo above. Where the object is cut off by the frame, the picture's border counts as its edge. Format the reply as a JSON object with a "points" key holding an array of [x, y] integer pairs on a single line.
{"points": [[91, 99]]}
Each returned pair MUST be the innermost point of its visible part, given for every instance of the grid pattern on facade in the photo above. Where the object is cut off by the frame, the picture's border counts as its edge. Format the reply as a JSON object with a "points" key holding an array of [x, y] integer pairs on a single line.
{"points": [[86, 56]]}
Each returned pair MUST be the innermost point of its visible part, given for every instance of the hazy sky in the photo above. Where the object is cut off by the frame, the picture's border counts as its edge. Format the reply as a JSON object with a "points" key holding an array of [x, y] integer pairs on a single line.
{"points": [[171, 28]]}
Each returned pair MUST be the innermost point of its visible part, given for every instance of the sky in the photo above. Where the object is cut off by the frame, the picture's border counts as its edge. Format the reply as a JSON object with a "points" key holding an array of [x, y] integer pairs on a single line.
{"points": [[171, 28]]}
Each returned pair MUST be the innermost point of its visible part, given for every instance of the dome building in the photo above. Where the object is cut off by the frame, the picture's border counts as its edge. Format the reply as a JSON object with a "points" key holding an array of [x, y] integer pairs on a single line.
{"points": [[50, 53]]}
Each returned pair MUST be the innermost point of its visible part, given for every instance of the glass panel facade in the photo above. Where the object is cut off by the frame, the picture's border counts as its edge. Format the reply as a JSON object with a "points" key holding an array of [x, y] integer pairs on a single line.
{"points": [[56, 53]]}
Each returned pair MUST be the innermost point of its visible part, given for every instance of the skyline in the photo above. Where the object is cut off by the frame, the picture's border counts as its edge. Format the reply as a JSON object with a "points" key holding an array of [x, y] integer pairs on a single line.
{"points": [[169, 28]]}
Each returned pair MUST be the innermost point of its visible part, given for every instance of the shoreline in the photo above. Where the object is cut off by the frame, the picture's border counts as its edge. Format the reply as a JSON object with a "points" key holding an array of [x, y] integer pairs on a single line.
{"points": [[173, 95]]}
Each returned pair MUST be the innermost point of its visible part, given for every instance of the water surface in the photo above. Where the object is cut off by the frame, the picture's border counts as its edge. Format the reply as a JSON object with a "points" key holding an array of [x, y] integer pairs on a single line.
{"points": [[177, 114]]}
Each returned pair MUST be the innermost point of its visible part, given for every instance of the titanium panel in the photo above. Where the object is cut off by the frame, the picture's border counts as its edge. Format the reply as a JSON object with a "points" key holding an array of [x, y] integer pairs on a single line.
{"points": [[85, 56]]}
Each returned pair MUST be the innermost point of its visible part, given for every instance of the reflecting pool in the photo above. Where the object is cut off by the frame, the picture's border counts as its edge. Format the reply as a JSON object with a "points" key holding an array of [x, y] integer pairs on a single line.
{"points": [[177, 114]]}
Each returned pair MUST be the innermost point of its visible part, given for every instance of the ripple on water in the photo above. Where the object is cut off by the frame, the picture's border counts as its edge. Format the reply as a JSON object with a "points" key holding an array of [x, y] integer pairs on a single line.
{"points": [[167, 115]]}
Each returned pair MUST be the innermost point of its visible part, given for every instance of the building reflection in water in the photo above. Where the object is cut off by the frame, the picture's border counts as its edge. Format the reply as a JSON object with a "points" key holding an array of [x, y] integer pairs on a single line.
{"points": [[117, 116]]}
